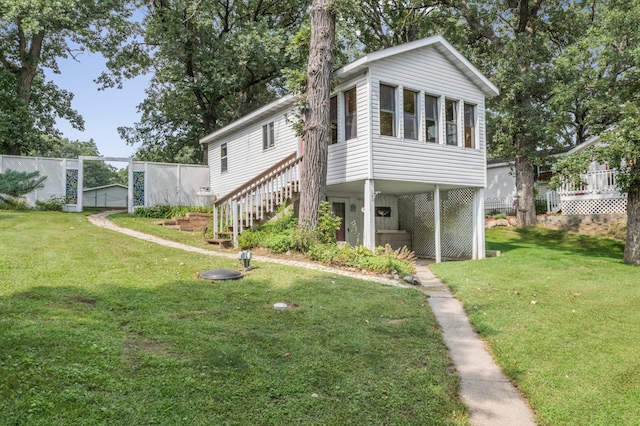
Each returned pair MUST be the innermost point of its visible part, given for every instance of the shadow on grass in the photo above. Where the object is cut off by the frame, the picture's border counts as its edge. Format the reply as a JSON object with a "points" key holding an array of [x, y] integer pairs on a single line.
{"points": [[218, 352], [561, 241]]}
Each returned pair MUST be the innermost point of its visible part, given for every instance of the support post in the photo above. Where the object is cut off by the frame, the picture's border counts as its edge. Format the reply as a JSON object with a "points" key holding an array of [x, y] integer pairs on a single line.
{"points": [[80, 201], [479, 194], [130, 192], [234, 218], [436, 210], [369, 231]]}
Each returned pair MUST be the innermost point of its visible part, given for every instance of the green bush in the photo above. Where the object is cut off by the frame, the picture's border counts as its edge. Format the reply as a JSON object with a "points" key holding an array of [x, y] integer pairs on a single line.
{"points": [[499, 216], [165, 211], [52, 204], [541, 206], [281, 234]]}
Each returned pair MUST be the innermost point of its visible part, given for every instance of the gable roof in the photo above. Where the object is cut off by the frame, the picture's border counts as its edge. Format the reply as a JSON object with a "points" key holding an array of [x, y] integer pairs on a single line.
{"points": [[438, 42], [441, 45], [584, 145]]}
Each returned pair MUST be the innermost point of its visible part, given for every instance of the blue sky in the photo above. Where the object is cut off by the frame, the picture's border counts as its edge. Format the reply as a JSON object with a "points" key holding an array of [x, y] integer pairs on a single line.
{"points": [[103, 111]]}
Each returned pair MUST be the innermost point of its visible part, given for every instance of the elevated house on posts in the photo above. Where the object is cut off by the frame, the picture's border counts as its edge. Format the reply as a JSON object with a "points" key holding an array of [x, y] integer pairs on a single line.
{"points": [[407, 159]]}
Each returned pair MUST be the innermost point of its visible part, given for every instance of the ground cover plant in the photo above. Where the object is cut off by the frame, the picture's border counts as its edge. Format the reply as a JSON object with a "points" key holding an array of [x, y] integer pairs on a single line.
{"points": [[100, 328], [281, 235], [561, 313]]}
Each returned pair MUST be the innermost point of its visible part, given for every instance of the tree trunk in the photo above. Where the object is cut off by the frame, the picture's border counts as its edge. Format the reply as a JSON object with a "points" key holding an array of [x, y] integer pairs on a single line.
{"points": [[632, 245], [525, 199], [313, 181]]}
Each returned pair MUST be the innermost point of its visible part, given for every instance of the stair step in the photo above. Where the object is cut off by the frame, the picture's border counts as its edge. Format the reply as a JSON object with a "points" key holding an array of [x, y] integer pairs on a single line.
{"points": [[222, 243]]}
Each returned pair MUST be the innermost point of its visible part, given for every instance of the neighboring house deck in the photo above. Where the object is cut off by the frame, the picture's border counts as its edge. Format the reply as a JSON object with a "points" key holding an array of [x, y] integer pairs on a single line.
{"points": [[407, 160], [595, 194]]}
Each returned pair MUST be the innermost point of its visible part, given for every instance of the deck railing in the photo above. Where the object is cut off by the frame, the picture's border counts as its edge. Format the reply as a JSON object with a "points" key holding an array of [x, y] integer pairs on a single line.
{"points": [[600, 182]]}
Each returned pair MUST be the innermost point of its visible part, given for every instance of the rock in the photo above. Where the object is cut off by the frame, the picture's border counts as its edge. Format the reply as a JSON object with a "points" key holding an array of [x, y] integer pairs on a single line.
{"points": [[394, 272], [502, 222], [408, 279], [416, 281], [396, 276], [288, 253], [513, 221], [490, 224]]}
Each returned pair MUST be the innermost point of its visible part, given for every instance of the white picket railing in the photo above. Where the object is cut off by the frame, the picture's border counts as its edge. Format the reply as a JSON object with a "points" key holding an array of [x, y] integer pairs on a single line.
{"points": [[600, 182], [553, 201]]}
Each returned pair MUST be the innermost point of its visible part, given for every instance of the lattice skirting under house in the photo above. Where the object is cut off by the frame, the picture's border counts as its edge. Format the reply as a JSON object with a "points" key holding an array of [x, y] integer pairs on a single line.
{"points": [[417, 216], [598, 206]]}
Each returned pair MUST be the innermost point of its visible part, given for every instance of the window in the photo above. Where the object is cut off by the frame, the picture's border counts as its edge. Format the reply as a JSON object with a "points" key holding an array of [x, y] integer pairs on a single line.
{"points": [[451, 116], [387, 110], [469, 126], [410, 108], [431, 114], [350, 115], [333, 119], [268, 136], [223, 158]]}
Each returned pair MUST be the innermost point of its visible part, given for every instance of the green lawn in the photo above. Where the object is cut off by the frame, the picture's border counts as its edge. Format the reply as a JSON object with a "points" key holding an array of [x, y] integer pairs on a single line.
{"points": [[100, 328], [561, 313]]}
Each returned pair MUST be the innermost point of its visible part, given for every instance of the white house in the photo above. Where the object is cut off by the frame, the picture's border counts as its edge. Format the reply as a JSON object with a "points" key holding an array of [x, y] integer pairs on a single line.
{"points": [[595, 195], [407, 163]]}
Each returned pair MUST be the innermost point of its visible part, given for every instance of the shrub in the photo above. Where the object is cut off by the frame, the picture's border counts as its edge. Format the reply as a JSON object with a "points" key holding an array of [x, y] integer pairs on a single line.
{"points": [[166, 211], [328, 224], [250, 239], [499, 216], [52, 204]]}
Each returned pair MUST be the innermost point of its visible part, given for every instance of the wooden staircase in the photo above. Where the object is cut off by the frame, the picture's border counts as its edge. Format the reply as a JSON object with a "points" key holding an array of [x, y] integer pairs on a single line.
{"points": [[255, 201], [191, 222]]}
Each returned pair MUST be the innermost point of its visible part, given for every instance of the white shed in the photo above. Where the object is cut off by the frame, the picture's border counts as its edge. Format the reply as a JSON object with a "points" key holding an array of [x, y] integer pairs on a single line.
{"points": [[114, 195]]}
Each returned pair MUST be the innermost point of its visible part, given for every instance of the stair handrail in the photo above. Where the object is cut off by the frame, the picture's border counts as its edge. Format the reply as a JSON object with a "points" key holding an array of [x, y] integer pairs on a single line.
{"points": [[285, 162]]}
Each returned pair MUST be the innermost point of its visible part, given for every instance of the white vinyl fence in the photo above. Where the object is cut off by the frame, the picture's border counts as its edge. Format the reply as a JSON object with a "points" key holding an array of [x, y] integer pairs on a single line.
{"points": [[152, 183]]}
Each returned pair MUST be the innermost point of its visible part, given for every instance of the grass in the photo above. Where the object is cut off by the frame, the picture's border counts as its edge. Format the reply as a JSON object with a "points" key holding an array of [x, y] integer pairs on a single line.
{"points": [[100, 328], [561, 313]]}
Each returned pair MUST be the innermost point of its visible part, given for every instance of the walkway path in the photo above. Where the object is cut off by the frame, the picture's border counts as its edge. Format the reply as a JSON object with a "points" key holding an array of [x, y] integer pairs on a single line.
{"points": [[491, 398]]}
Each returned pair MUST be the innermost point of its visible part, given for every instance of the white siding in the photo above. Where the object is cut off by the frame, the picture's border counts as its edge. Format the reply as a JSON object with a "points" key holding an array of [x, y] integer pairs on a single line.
{"points": [[427, 72], [245, 156], [349, 160], [501, 182]]}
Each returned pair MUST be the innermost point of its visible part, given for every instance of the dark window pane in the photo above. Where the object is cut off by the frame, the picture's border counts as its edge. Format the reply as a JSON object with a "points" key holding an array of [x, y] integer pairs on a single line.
{"points": [[409, 102], [387, 98], [333, 118], [351, 114], [272, 137], [469, 126], [431, 114], [411, 127], [265, 137], [386, 123]]}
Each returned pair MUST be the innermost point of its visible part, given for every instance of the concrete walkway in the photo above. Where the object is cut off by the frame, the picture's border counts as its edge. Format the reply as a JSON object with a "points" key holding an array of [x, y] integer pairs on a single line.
{"points": [[491, 398]]}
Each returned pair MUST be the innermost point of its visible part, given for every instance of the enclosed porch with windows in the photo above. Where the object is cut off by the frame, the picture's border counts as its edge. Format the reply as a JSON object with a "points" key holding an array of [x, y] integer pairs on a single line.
{"points": [[440, 222]]}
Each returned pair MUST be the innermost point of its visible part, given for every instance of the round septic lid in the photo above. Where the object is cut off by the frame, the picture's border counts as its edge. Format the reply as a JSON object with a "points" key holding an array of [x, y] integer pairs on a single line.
{"points": [[221, 274]]}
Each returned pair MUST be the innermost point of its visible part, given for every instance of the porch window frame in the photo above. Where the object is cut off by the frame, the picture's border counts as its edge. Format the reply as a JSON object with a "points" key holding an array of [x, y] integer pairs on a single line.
{"points": [[435, 120], [350, 117], [415, 116], [385, 110], [452, 122], [473, 127], [333, 120]]}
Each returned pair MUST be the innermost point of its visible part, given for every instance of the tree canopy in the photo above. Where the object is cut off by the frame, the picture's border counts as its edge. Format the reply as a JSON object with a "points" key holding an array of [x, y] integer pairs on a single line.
{"points": [[33, 36], [213, 62]]}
